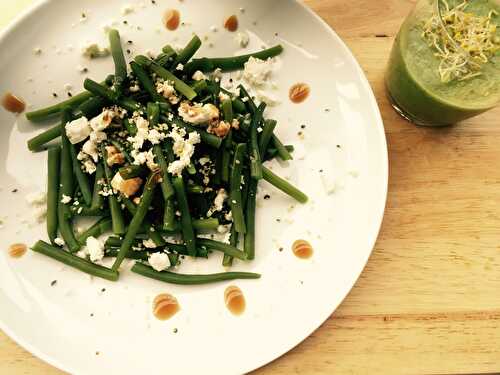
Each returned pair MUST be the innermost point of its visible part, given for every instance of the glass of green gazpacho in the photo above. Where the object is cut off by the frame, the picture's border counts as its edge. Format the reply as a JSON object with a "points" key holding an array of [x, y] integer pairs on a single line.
{"points": [[445, 62]]}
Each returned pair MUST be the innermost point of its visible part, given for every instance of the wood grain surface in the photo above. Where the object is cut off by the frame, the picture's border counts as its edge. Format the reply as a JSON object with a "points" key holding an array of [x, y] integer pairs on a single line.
{"points": [[428, 302]]}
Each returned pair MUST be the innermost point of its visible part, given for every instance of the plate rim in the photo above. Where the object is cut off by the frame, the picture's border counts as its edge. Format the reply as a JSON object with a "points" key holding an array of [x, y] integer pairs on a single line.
{"points": [[384, 159]]}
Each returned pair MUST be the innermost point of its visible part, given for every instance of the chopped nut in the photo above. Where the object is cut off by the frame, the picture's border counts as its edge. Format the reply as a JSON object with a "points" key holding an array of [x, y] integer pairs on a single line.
{"points": [[126, 187], [17, 250], [231, 23], [137, 200], [171, 19], [220, 130], [114, 156]]}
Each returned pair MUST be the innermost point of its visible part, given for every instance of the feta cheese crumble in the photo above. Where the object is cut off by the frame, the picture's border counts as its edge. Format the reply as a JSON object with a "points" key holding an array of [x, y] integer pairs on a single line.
{"points": [[198, 114], [183, 149], [149, 244], [95, 249], [78, 130], [159, 261], [92, 50], [59, 241], [199, 76], [65, 199]]}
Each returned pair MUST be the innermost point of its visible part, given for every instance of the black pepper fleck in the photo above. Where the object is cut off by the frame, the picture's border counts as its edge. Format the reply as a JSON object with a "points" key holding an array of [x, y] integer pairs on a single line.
{"points": [[70, 94], [103, 290], [130, 42], [54, 95], [85, 70], [275, 34], [54, 282], [176, 330], [14, 190], [302, 126], [97, 353], [153, 2], [299, 134], [280, 249], [91, 314], [278, 220], [267, 196], [84, 15], [128, 51], [321, 171], [327, 109], [338, 146], [125, 22]]}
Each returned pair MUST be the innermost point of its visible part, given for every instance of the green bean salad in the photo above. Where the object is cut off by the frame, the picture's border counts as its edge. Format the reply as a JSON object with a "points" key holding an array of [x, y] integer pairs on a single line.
{"points": [[160, 154]]}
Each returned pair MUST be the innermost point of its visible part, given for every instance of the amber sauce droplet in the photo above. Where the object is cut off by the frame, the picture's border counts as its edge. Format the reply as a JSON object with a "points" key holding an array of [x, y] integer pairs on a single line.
{"points": [[235, 300], [302, 249], [172, 19], [17, 250], [165, 306], [299, 92], [12, 103], [231, 23]]}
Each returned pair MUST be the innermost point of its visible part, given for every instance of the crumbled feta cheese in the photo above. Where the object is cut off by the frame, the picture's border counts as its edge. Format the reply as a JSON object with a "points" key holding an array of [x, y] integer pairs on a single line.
{"points": [[204, 160], [142, 126], [155, 137], [149, 244], [59, 241], [88, 166], [134, 88], [150, 160], [36, 199], [102, 121], [167, 90], [198, 114], [257, 71], [223, 228], [183, 149], [199, 76], [243, 39], [179, 67], [127, 9], [139, 157], [95, 249], [78, 130], [150, 54], [65, 199], [159, 261], [218, 202], [229, 216], [93, 50]]}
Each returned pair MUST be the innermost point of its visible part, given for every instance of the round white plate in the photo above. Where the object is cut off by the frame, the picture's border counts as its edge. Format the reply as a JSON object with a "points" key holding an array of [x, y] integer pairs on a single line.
{"points": [[81, 328]]}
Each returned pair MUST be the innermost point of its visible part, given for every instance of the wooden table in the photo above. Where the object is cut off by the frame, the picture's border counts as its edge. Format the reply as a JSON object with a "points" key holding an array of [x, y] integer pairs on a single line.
{"points": [[428, 302]]}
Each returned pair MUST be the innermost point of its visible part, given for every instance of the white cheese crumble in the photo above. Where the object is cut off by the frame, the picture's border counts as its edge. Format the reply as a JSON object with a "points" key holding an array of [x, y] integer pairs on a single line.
{"points": [[150, 160], [257, 71], [243, 39], [219, 200], [95, 249], [159, 261], [65, 199], [78, 130], [92, 50], [183, 149], [167, 90], [36, 199], [179, 67], [198, 114], [59, 241], [149, 244], [199, 76]]}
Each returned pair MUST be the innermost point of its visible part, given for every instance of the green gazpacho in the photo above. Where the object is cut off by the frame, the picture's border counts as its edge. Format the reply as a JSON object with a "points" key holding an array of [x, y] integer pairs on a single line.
{"points": [[445, 62]]}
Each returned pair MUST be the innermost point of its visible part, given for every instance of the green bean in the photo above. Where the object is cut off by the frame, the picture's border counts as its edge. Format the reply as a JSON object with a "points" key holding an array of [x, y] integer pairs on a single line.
{"points": [[114, 206], [74, 261], [227, 261], [146, 82], [45, 113], [137, 220], [118, 58], [206, 224], [100, 227], [230, 63], [91, 107], [194, 189], [254, 152], [249, 240], [191, 169], [169, 50], [65, 227], [283, 153], [102, 91], [119, 146], [226, 157], [53, 166], [81, 178], [41, 139], [238, 105], [220, 246], [227, 110], [169, 216], [265, 136], [179, 85], [235, 200], [135, 255], [199, 86], [284, 186], [182, 279], [67, 176], [187, 225], [272, 152], [130, 126], [185, 55], [98, 199]]}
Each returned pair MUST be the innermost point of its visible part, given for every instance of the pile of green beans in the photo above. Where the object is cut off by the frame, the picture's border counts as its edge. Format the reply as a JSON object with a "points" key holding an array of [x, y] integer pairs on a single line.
{"points": [[180, 206]]}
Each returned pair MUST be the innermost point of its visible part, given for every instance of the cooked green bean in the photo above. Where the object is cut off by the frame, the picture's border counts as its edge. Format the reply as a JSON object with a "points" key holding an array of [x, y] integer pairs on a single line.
{"points": [[265, 136], [227, 260], [183, 279], [114, 206], [206, 224], [45, 113], [284, 185], [137, 220], [185, 55], [81, 177], [207, 138], [169, 216], [91, 107], [220, 246], [230, 63], [235, 200], [226, 157], [199, 86], [249, 240], [54, 167], [65, 227], [283, 153], [100, 227], [118, 58], [187, 225], [108, 94], [146, 82], [194, 189], [74, 261], [227, 110], [67, 175], [119, 146], [97, 198], [254, 152], [37, 142]]}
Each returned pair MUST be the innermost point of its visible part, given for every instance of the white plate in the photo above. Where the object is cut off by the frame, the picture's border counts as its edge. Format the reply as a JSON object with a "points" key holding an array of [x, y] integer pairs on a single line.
{"points": [[293, 297]]}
